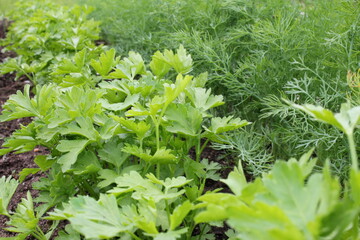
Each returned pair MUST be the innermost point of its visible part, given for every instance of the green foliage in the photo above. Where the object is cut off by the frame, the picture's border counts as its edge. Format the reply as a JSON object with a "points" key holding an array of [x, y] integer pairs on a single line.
{"points": [[103, 132], [291, 201], [8, 187], [146, 209], [256, 52], [287, 203], [44, 34]]}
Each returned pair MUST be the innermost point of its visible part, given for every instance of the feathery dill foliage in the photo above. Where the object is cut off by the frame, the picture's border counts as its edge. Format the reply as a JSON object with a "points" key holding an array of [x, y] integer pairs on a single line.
{"points": [[256, 52]]}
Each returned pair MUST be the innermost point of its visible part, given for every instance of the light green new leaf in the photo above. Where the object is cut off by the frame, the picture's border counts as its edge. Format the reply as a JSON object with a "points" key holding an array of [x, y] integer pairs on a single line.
{"points": [[169, 182], [139, 128], [22, 140], [216, 204], [7, 189], [24, 220], [162, 155], [158, 66], [137, 110], [203, 100], [225, 124], [175, 182], [173, 91], [19, 105], [236, 180], [128, 102], [263, 221], [346, 120], [184, 119], [106, 62], [129, 67], [181, 62], [179, 213], [72, 148]]}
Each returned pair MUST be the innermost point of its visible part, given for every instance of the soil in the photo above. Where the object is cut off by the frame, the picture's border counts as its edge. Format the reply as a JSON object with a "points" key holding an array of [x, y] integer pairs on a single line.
{"points": [[11, 164]]}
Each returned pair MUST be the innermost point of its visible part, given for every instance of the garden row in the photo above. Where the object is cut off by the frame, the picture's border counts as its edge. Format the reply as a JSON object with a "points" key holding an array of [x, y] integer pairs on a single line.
{"points": [[125, 139], [256, 52]]}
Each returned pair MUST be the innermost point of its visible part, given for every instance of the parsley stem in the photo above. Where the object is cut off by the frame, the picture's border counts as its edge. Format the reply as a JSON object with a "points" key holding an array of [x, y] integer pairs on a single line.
{"points": [[354, 158], [167, 210], [133, 235], [198, 148]]}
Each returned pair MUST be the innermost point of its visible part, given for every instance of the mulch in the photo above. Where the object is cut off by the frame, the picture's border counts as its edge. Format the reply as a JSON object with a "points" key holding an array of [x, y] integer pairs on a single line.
{"points": [[11, 164]]}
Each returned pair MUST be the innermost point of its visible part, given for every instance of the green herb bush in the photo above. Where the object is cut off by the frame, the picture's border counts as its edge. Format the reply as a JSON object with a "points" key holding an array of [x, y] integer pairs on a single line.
{"points": [[105, 134], [256, 52], [44, 33], [292, 201]]}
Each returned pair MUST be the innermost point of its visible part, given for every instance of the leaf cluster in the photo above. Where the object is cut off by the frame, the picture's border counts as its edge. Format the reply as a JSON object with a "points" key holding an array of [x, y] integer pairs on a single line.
{"points": [[45, 33]]}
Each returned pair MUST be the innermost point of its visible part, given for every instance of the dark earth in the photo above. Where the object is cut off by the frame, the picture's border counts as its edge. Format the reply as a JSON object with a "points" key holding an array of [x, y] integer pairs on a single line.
{"points": [[11, 164]]}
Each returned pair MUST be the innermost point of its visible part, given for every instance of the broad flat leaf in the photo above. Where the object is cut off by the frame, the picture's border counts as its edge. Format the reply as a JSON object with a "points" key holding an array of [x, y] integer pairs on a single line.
{"points": [[24, 220], [72, 148], [128, 102], [175, 182], [94, 219], [216, 204], [44, 162], [108, 177], [185, 119], [139, 128], [109, 129], [169, 182], [112, 152], [200, 81], [26, 172], [106, 62], [225, 124], [22, 140], [83, 127], [236, 180], [263, 221], [155, 105], [158, 66], [129, 67], [7, 189], [346, 120], [181, 62], [179, 213], [87, 163], [19, 105], [162, 155], [203, 100], [143, 188], [284, 204], [173, 91], [137, 110]]}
